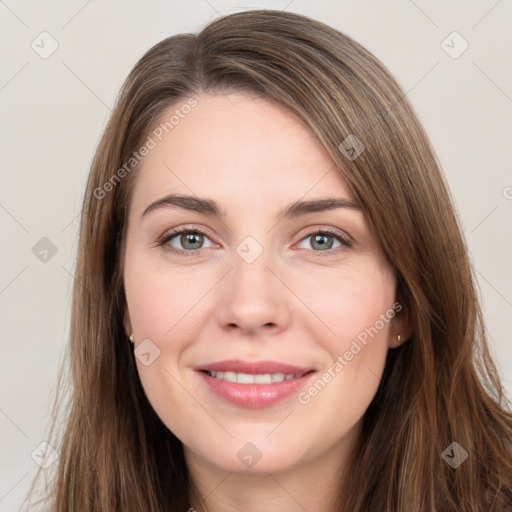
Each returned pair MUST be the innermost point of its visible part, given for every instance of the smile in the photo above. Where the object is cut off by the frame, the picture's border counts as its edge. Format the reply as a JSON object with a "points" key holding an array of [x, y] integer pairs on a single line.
{"points": [[253, 385], [247, 378]]}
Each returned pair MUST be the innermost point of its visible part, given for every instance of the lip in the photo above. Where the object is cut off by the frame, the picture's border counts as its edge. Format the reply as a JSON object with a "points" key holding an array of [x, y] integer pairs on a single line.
{"points": [[254, 396], [253, 368]]}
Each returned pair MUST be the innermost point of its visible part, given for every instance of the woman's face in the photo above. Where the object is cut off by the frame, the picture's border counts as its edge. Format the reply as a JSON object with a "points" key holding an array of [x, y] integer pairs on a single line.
{"points": [[300, 321]]}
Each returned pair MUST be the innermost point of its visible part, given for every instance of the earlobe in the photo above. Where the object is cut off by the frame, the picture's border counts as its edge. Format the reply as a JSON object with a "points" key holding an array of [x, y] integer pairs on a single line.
{"points": [[127, 322], [396, 341], [401, 329]]}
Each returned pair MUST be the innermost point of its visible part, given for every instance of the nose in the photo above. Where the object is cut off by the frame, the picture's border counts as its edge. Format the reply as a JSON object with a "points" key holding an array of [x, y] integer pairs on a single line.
{"points": [[253, 298]]}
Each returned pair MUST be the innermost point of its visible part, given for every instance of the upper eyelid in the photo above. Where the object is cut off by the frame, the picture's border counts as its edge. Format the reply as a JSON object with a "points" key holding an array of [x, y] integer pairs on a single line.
{"points": [[184, 229], [311, 231]]}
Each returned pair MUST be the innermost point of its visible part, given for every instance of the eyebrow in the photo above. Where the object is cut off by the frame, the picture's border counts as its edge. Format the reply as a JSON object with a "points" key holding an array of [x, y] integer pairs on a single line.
{"points": [[210, 207]]}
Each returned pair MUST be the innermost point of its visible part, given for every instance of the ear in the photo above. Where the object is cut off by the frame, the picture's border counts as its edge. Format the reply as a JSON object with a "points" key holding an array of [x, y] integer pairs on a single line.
{"points": [[127, 322], [400, 325]]}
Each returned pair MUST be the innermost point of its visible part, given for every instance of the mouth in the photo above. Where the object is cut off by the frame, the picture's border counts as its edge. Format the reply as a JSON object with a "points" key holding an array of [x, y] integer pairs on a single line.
{"points": [[253, 385], [259, 378], [239, 366]]}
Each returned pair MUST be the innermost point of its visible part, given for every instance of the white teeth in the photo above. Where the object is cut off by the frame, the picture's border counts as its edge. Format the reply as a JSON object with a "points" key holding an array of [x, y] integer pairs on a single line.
{"points": [[230, 376], [262, 379], [247, 378]]}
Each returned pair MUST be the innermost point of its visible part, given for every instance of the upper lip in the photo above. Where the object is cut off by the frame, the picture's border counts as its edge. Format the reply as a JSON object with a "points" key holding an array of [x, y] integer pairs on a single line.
{"points": [[253, 368]]}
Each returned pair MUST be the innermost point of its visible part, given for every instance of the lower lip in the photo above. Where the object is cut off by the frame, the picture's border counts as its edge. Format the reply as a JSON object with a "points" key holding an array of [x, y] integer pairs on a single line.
{"points": [[254, 396]]}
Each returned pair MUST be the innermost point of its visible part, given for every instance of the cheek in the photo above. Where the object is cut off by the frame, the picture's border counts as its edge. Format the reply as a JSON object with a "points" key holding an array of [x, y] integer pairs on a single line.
{"points": [[351, 303], [355, 353], [158, 301], [357, 308], [158, 298]]}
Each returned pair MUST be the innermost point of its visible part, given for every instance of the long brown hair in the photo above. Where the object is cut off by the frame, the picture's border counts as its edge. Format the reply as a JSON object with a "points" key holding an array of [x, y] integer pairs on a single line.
{"points": [[438, 388]]}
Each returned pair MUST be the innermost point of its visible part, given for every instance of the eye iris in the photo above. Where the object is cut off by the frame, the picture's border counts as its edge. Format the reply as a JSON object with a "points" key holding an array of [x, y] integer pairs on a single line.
{"points": [[323, 245], [323, 241], [189, 237]]}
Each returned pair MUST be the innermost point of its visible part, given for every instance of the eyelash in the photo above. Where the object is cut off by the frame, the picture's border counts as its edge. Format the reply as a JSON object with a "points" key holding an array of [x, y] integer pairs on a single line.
{"points": [[345, 242]]}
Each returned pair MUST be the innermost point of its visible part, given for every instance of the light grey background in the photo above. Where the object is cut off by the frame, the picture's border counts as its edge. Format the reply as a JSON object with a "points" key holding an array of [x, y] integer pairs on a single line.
{"points": [[53, 111]]}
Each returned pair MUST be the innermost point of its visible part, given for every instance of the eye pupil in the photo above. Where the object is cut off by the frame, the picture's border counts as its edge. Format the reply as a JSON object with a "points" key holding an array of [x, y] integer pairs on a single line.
{"points": [[322, 245], [189, 237], [191, 241]]}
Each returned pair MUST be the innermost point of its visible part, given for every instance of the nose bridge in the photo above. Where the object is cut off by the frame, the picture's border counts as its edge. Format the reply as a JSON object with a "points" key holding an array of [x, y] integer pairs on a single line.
{"points": [[251, 279], [251, 295], [251, 261]]}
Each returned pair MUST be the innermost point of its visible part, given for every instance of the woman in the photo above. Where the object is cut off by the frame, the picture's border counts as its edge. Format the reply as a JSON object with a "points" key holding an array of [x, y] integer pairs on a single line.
{"points": [[320, 346]]}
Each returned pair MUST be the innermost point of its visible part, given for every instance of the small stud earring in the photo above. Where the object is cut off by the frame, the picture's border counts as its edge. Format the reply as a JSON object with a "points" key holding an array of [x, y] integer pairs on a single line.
{"points": [[132, 339], [399, 338]]}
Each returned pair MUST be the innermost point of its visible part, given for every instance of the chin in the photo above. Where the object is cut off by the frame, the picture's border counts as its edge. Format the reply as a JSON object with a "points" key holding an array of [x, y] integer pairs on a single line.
{"points": [[254, 458]]}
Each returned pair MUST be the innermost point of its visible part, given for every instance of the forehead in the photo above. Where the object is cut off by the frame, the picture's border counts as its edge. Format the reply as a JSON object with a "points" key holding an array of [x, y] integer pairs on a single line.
{"points": [[237, 148]]}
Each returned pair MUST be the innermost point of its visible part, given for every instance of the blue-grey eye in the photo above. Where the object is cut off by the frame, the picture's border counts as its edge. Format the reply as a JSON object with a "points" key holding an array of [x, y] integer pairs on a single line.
{"points": [[323, 241]]}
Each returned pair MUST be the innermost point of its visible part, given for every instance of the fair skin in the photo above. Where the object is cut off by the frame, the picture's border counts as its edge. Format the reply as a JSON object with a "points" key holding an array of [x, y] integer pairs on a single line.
{"points": [[296, 303]]}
